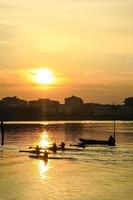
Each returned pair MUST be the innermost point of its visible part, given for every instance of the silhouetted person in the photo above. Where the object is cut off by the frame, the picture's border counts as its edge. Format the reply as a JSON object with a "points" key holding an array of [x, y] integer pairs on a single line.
{"points": [[37, 150], [2, 132], [54, 148], [111, 140], [45, 155], [81, 144], [63, 146]]}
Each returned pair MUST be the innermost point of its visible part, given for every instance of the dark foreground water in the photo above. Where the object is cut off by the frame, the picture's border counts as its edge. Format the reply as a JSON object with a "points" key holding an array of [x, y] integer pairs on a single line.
{"points": [[96, 173]]}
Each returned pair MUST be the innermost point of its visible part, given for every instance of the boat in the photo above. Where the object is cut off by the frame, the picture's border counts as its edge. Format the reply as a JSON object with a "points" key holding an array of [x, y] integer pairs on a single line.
{"points": [[30, 151], [43, 158], [34, 151], [96, 142], [110, 141], [66, 149], [50, 158]]}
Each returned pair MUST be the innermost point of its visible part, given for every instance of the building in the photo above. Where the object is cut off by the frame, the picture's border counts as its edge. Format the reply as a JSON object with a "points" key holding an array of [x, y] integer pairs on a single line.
{"points": [[13, 101], [47, 106], [73, 104], [34, 103], [129, 101]]}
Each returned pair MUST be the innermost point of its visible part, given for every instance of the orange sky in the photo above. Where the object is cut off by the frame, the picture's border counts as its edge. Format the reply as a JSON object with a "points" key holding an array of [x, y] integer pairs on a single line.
{"points": [[88, 46]]}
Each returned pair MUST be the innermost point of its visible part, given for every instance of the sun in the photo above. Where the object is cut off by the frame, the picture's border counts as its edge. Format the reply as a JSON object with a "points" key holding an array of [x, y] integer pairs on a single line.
{"points": [[44, 76]]}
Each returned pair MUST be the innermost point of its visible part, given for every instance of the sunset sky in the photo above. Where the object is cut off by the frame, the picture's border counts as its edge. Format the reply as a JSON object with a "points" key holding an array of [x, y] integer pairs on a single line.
{"points": [[85, 45]]}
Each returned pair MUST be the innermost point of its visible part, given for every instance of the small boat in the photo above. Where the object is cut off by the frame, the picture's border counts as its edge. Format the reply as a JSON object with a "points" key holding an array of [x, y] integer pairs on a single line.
{"points": [[66, 149], [96, 142], [30, 151], [34, 151], [110, 141], [43, 158], [50, 158]]}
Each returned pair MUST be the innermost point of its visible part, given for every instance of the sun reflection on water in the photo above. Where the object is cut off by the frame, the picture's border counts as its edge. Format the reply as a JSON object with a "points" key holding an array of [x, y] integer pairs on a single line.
{"points": [[43, 168], [44, 140]]}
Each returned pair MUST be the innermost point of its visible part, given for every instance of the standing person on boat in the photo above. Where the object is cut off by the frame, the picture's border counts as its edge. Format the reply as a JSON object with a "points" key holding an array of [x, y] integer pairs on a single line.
{"points": [[54, 148], [111, 140], [63, 146]]}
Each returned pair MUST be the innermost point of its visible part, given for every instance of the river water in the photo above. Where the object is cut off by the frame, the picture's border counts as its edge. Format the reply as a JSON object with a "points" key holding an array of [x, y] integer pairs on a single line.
{"points": [[94, 173]]}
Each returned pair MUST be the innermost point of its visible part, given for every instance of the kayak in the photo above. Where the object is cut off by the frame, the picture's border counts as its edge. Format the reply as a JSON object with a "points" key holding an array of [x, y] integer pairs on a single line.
{"points": [[50, 149], [43, 158], [50, 158], [66, 149], [30, 151]]}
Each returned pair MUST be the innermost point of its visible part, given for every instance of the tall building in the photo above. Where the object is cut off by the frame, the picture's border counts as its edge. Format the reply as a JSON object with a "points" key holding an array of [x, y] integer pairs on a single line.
{"points": [[73, 104]]}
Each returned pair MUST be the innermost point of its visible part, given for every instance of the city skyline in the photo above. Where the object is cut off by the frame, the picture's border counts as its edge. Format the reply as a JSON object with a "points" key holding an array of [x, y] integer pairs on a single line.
{"points": [[74, 108], [79, 98], [80, 47]]}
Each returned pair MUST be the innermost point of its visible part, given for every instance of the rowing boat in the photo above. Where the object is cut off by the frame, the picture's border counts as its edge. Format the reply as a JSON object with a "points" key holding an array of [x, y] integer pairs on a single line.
{"points": [[66, 149], [50, 158], [30, 151], [110, 141], [97, 142], [50, 149], [43, 158]]}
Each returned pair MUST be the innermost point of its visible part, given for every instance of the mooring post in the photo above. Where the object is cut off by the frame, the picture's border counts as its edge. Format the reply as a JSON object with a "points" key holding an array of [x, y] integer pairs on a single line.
{"points": [[2, 133]]}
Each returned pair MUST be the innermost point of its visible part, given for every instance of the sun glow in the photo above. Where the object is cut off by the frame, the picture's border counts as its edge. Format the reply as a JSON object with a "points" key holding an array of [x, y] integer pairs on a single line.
{"points": [[44, 76], [43, 168], [44, 140]]}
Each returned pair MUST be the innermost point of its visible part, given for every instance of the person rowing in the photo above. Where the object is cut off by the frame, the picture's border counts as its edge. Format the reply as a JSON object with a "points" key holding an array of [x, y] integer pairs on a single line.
{"points": [[54, 148], [63, 146], [45, 155], [37, 150]]}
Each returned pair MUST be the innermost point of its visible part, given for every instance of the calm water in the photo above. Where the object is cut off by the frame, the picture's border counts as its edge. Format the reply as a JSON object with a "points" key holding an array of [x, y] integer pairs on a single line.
{"points": [[96, 173]]}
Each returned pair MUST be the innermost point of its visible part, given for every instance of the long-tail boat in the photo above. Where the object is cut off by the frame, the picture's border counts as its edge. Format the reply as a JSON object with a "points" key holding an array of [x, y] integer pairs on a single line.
{"points": [[110, 141]]}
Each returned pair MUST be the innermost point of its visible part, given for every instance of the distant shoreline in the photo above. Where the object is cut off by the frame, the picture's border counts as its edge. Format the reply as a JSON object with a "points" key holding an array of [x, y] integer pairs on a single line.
{"points": [[69, 120]]}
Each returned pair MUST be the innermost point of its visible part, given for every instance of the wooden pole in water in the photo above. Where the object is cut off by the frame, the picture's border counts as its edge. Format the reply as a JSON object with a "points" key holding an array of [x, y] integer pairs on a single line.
{"points": [[2, 133]]}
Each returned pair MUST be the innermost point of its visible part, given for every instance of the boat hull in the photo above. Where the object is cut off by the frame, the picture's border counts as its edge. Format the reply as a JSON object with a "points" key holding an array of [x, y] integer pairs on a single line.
{"points": [[50, 158], [42, 157], [97, 142], [50, 149]]}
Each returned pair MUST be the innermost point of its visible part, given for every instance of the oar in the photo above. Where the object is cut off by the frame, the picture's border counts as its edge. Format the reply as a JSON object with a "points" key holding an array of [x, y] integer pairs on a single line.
{"points": [[31, 147]]}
